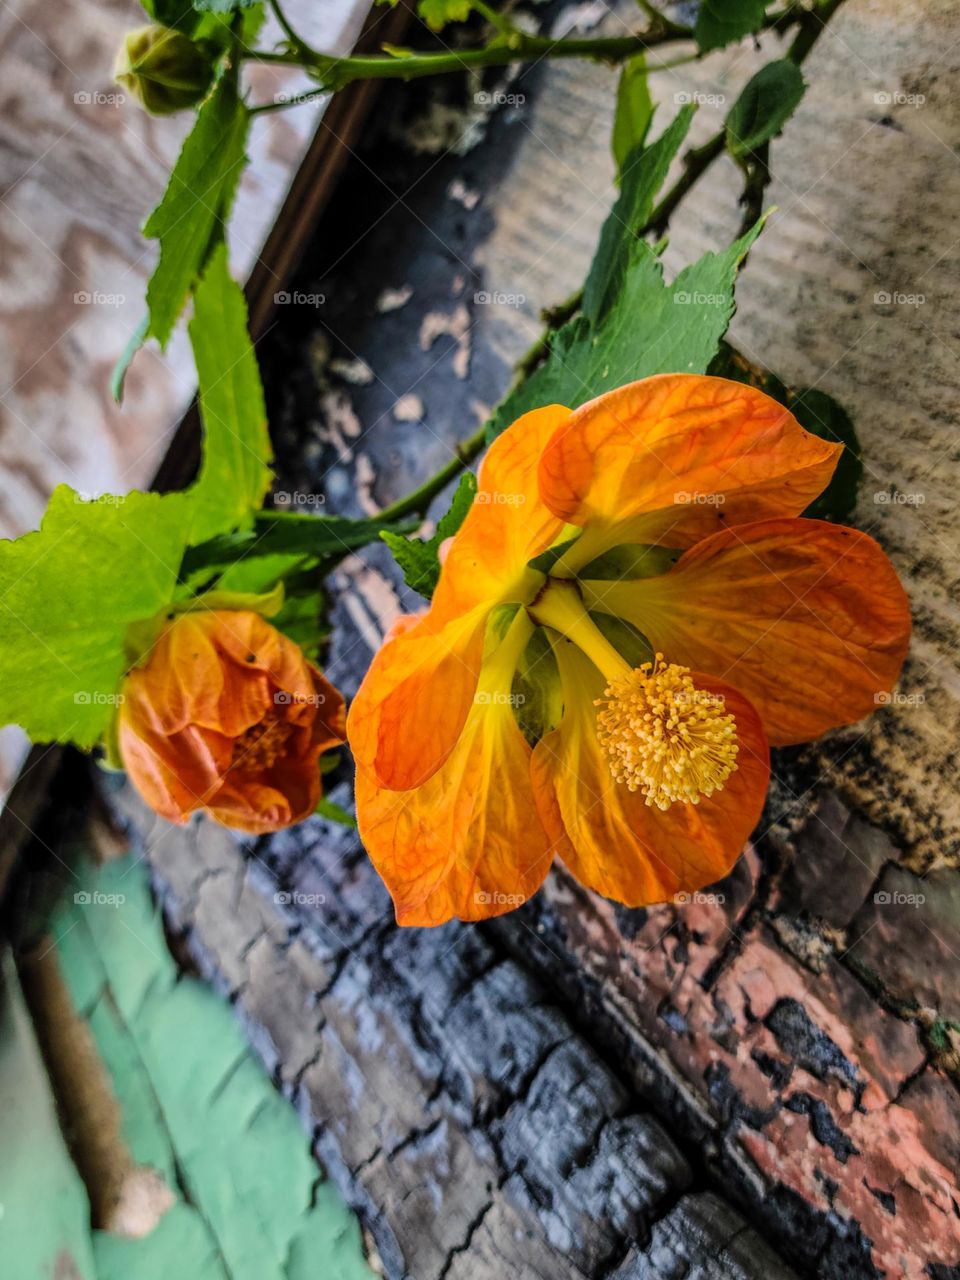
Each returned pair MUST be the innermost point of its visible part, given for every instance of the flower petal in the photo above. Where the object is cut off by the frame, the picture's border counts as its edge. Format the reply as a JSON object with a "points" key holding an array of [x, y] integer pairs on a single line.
{"points": [[612, 841], [508, 523], [807, 618], [675, 457], [467, 843], [415, 698], [413, 702]]}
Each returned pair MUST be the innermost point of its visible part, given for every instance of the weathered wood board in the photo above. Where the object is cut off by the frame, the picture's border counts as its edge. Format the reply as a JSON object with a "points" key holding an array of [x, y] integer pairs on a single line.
{"points": [[580, 1090], [81, 165]]}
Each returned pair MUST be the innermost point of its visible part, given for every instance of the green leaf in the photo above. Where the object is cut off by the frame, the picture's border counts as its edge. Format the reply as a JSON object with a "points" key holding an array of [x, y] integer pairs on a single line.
{"points": [[190, 218], [722, 22], [330, 810], [767, 102], [634, 110], [235, 473], [222, 6], [68, 593], [641, 179], [824, 417], [71, 590], [437, 13], [179, 14], [418, 557], [821, 415], [651, 328], [120, 369], [218, 25], [278, 534]]}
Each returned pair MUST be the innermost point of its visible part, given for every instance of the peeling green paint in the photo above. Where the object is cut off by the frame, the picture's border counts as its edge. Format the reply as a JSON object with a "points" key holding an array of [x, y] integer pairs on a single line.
{"points": [[196, 1106]]}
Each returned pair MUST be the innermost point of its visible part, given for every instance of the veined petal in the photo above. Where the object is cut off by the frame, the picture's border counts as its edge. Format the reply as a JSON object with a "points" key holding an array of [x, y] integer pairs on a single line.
{"points": [[675, 457], [414, 700], [806, 618], [508, 523], [611, 840], [467, 843]]}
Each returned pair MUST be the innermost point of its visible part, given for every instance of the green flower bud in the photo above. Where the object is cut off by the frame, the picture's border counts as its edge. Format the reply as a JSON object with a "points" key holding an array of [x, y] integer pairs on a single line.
{"points": [[164, 69]]}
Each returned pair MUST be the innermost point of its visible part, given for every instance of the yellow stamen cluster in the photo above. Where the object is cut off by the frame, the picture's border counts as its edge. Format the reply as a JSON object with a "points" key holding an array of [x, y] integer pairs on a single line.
{"points": [[665, 737]]}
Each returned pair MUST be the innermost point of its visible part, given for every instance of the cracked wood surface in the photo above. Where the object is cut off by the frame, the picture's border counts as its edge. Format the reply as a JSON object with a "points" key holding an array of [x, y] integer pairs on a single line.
{"points": [[475, 1130], [578, 1089]]}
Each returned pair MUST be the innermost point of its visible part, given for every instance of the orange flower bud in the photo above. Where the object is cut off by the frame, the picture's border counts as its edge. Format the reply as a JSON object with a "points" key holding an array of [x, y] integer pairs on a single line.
{"points": [[226, 715]]}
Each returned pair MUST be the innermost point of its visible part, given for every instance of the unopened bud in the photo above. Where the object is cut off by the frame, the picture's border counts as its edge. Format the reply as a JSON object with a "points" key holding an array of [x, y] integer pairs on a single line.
{"points": [[164, 69]]}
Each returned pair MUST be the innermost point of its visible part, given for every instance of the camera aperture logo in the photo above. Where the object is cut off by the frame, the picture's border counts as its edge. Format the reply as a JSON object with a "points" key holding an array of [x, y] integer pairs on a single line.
{"points": [[95, 898], [296, 899], [685, 99], [497, 99], [497, 498], [684, 298], [98, 98], [297, 498], [497, 298], [95, 698], [498, 699], [497, 899], [682, 498], [284, 699], [895, 898], [298, 299], [98, 298]]}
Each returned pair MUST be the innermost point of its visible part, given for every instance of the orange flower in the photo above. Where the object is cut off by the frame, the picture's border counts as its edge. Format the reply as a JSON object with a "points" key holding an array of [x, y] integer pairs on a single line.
{"points": [[632, 610], [228, 716]]}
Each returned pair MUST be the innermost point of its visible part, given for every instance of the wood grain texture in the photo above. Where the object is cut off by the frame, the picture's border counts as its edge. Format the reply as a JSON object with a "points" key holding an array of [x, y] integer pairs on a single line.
{"points": [[80, 168], [477, 1132], [794, 1035]]}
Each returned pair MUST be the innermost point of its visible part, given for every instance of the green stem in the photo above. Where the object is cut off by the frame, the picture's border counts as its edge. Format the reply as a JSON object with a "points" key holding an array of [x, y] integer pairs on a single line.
{"points": [[756, 167], [660, 22], [516, 46], [299, 44], [294, 100], [499, 21], [519, 46], [417, 502]]}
